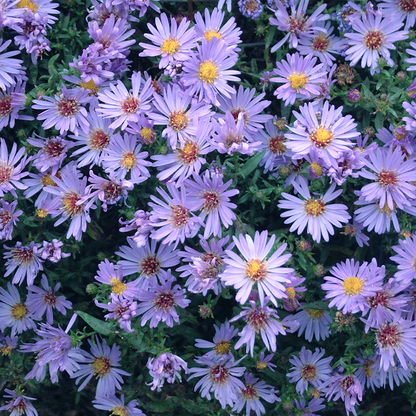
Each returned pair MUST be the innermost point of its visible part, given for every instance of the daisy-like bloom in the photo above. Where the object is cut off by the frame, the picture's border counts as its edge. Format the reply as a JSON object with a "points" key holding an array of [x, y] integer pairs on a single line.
{"points": [[259, 319], [314, 212], [374, 36], [212, 197], [314, 322], [396, 338], [140, 224], [158, 302], [52, 251], [221, 344], [27, 261], [124, 105], [45, 300], [403, 9], [293, 291], [19, 404], [143, 130], [367, 372], [123, 156], [394, 376], [315, 405], [148, 261], [10, 174], [207, 72], [250, 396], [101, 363], [301, 78], [11, 68], [174, 216], [411, 52], [393, 175], [251, 8], [220, 377], [398, 137], [355, 230], [311, 368], [329, 134], [8, 219], [70, 190], [177, 112], [66, 111], [173, 42], [121, 310], [117, 406], [351, 284], [405, 259], [14, 313], [8, 344], [166, 367], [264, 362], [256, 268], [347, 388], [297, 22]]}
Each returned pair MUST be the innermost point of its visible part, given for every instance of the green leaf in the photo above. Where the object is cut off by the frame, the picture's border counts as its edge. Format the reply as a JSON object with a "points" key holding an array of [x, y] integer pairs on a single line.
{"points": [[103, 328], [252, 164], [379, 121], [269, 37]]}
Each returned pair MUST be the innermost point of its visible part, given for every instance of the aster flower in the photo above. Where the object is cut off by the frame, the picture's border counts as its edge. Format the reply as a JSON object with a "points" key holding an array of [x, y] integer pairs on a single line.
{"points": [[220, 377], [374, 36], [14, 313], [264, 362], [291, 303], [314, 322], [8, 219], [166, 367], [367, 372], [411, 52], [102, 363], [117, 406], [171, 41], [45, 300], [351, 283], [398, 137], [66, 111], [11, 68], [403, 9], [208, 71], [18, 404], [394, 376], [250, 396], [300, 76], [256, 268], [250, 8], [122, 310], [143, 129], [7, 344], [259, 319], [315, 405], [355, 230], [309, 368], [52, 251], [314, 213], [406, 259], [330, 134]]}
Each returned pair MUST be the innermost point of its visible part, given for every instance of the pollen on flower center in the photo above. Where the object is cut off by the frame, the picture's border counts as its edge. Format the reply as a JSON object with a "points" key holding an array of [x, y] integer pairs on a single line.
{"points": [[353, 285], [297, 24], [208, 72], [347, 382], [322, 138], [387, 177], [222, 347], [130, 105], [112, 191], [150, 265], [315, 207], [19, 311], [148, 135], [389, 335], [67, 107], [54, 148], [47, 181], [256, 270], [24, 255], [257, 319], [219, 374], [277, 145], [98, 140], [170, 46], [165, 300], [180, 216], [117, 286], [6, 106], [102, 366], [317, 168], [120, 411], [231, 138], [6, 172], [320, 43], [250, 392], [374, 39], [298, 80], [315, 313], [407, 6], [31, 5], [368, 371], [252, 6], [209, 34], [128, 160], [308, 372], [212, 201], [50, 299], [189, 154], [70, 206], [381, 298], [291, 292], [178, 120], [5, 218]]}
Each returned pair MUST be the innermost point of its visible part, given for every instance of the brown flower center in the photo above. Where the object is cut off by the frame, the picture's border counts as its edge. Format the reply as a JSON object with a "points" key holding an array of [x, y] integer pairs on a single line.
{"points": [[150, 265], [179, 216], [387, 177], [165, 300], [309, 372], [98, 140], [374, 40], [70, 206], [6, 106], [101, 366], [178, 120], [389, 336], [130, 105], [256, 270], [67, 107]]}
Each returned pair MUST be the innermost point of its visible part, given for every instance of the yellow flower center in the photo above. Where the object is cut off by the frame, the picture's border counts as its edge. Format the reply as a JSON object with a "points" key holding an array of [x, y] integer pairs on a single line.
{"points": [[19, 311], [7, 350], [117, 286], [223, 347], [315, 207], [31, 5], [128, 160], [69, 202], [189, 154], [291, 292], [209, 34], [90, 85], [41, 213], [298, 80], [208, 72], [315, 314], [261, 365], [47, 181], [256, 270], [322, 138], [317, 168], [101, 366], [120, 411], [178, 120], [170, 46], [148, 135], [353, 285]]}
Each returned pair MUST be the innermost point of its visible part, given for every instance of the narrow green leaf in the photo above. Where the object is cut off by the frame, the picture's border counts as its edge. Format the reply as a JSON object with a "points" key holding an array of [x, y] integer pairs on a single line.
{"points": [[103, 328], [252, 164]]}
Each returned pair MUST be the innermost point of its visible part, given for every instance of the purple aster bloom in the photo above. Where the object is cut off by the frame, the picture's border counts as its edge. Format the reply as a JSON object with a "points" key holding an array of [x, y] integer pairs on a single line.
{"points": [[158, 302], [314, 322], [264, 362], [166, 367], [123, 156], [355, 230], [117, 406], [19, 404], [406, 260], [403, 9], [45, 300], [174, 216], [309, 368], [126, 105], [11, 68], [25, 261], [10, 174], [220, 377], [315, 405], [141, 5], [297, 23], [52, 251], [393, 178], [410, 121], [140, 224], [173, 42], [101, 363], [122, 310], [14, 313], [251, 8], [348, 388], [100, 12], [7, 344], [66, 111], [212, 197], [330, 134], [291, 303], [367, 372], [207, 72], [373, 36], [300, 77], [411, 60], [351, 284], [259, 319], [394, 375], [348, 164], [256, 268], [398, 137], [221, 342], [8, 219], [313, 212], [250, 396]]}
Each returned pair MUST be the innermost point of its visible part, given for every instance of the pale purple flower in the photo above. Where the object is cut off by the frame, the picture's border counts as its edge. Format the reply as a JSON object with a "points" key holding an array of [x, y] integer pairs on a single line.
{"points": [[53, 251], [251, 8], [394, 375], [122, 310], [11, 68], [18, 404], [403, 9], [9, 217], [355, 230], [406, 260], [367, 372], [112, 404], [7, 344], [314, 322], [264, 362], [140, 224], [315, 405]]}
